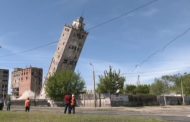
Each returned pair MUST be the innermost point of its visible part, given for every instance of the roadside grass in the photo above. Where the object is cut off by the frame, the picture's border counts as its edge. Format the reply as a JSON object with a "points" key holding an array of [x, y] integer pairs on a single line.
{"points": [[57, 117]]}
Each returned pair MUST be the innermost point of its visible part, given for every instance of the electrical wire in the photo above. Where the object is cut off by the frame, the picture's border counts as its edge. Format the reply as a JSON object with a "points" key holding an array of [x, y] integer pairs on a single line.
{"points": [[31, 49], [162, 48], [91, 28], [122, 15]]}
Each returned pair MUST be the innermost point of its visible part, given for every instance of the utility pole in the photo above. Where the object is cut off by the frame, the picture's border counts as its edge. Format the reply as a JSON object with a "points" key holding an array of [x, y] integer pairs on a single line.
{"points": [[138, 80], [182, 95], [35, 92], [165, 90], [94, 84]]}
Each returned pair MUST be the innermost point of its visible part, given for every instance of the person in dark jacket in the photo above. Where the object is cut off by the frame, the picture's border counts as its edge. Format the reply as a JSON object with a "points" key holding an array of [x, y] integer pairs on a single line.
{"points": [[9, 104], [1, 104], [67, 100]]}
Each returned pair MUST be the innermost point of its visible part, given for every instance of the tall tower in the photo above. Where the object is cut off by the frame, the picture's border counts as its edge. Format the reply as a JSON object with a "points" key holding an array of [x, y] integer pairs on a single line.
{"points": [[68, 49]]}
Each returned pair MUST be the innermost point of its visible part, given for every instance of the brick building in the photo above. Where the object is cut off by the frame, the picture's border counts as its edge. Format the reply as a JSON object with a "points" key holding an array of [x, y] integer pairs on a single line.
{"points": [[28, 79], [4, 77]]}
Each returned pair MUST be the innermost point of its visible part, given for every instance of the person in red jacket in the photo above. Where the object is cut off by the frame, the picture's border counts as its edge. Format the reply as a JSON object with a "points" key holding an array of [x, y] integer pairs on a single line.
{"points": [[73, 103], [27, 105], [67, 100]]}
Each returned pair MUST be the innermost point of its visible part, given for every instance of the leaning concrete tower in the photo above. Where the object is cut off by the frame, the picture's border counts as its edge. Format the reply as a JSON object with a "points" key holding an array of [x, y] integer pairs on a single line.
{"points": [[68, 49]]}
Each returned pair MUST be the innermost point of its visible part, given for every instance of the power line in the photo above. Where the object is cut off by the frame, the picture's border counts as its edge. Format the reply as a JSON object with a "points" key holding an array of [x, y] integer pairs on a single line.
{"points": [[31, 49], [123, 14], [170, 69], [162, 48], [156, 71], [91, 28]]}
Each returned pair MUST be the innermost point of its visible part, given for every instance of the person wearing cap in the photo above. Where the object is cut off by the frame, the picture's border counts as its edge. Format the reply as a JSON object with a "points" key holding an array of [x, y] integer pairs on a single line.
{"points": [[73, 103]]}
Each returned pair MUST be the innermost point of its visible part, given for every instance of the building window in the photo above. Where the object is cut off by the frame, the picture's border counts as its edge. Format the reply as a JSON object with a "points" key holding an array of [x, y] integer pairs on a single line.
{"points": [[80, 36], [66, 29], [75, 48], [5, 72], [71, 62], [78, 49], [74, 34], [65, 61], [5, 81]]}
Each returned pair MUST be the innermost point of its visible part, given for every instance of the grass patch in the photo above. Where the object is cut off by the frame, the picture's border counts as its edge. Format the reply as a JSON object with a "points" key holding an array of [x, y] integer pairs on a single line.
{"points": [[57, 117]]}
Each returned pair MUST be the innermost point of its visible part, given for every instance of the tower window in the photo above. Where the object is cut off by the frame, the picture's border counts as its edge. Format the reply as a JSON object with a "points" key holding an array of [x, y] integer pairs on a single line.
{"points": [[65, 61], [78, 49], [66, 29], [71, 62], [75, 48]]}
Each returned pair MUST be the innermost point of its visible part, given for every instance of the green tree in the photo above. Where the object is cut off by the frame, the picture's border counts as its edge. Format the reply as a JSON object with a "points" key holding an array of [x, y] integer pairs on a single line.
{"points": [[130, 89], [172, 83], [183, 80], [158, 87], [142, 89], [62, 83], [111, 82]]}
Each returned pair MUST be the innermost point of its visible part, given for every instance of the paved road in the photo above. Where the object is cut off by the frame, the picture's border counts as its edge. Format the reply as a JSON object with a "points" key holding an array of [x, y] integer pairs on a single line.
{"points": [[168, 113]]}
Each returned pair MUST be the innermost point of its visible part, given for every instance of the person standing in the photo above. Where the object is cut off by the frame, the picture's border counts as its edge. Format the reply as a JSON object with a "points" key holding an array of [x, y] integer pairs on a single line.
{"points": [[9, 104], [27, 105], [67, 100], [73, 103]]}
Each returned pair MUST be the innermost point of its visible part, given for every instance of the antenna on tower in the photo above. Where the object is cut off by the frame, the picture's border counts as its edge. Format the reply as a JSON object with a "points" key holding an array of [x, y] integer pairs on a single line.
{"points": [[83, 9], [82, 12]]}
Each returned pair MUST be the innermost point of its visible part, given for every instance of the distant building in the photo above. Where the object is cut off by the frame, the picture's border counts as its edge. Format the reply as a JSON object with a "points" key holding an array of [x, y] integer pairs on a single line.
{"points": [[28, 79], [68, 49], [4, 78]]}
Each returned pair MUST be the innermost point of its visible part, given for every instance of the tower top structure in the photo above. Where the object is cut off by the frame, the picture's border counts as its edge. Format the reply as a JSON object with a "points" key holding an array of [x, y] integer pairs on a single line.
{"points": [[79, 24]]}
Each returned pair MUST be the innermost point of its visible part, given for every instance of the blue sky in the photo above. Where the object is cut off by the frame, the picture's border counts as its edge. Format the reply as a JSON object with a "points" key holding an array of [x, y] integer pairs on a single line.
{"points": [[122, 44]]}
